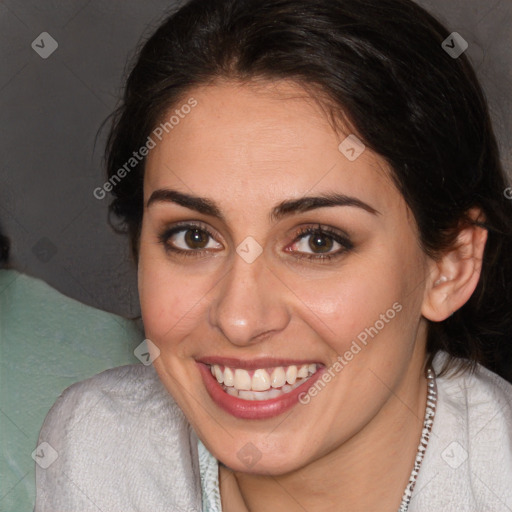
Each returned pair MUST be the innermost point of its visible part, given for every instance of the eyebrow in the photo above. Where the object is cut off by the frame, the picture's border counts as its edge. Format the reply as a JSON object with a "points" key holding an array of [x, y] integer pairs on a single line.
{"points": [[283, 209]]}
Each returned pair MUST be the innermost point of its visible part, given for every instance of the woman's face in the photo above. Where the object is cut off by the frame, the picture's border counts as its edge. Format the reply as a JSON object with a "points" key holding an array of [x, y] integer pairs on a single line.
{"points": [[241, 270]]}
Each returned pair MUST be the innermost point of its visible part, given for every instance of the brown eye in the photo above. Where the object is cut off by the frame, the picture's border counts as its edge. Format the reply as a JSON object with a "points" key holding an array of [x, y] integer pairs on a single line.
{"points": [[196, 238], [320, 242], [189, 239]]}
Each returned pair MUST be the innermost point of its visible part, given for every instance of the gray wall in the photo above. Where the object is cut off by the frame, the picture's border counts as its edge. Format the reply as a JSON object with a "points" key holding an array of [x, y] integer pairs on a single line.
{"points": [[51, 109]]}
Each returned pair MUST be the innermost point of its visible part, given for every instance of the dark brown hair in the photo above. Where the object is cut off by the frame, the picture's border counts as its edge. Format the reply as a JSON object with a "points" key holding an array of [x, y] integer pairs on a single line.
{"points": [[378, 64], [4, 249]]}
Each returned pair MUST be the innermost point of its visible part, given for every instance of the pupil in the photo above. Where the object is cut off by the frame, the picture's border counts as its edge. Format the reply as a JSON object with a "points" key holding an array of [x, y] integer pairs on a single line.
{"points": [[320, 241], [195, 238]]}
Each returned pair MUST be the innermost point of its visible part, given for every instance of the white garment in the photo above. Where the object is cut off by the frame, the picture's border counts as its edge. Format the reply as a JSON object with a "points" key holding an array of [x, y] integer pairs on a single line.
{"points": [[468, 461], [123, 445]]}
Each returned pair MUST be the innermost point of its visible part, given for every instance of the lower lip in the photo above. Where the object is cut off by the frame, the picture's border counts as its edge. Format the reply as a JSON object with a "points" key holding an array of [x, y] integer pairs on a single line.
{"points": [[253, 409]]}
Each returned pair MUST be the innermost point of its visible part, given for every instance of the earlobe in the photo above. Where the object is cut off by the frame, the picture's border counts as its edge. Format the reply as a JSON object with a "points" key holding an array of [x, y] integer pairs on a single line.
{"points": [[454, 277], [436, 304]]}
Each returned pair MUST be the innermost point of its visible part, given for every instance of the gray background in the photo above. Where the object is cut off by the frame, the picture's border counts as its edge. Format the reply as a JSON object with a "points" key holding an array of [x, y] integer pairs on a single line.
{"points": [[51, 109]]}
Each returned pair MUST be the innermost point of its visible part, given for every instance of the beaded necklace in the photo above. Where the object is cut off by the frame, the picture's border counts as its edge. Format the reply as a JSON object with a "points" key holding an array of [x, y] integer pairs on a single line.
{"points": [[430, 411]]}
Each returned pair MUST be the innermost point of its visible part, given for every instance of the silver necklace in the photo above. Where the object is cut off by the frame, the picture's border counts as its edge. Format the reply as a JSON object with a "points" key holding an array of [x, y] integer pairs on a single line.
{"points": [[430, 411]]}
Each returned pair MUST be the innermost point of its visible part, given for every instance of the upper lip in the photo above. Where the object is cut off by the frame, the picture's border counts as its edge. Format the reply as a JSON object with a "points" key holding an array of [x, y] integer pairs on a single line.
{"points": [[254, 364]]}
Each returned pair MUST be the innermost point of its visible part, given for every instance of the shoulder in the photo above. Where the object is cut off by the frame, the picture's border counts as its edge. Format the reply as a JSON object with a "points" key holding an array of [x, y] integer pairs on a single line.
{"points": [[127, 397], [129, 385], [468, 461], [114, 395], [122, 431], [482, 397]]}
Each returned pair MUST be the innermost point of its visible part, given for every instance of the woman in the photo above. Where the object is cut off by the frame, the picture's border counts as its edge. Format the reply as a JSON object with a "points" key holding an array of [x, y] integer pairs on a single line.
{"points": [[315, 201]]}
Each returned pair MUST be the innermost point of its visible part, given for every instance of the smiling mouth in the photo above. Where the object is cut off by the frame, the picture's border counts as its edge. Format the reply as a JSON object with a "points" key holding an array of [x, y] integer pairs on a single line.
{"points": [[262, 383]]}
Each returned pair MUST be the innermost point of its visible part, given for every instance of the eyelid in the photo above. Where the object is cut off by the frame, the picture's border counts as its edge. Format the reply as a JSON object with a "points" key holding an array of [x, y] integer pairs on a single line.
{"points": [[170, 231], [337, 235], [182, 225]]}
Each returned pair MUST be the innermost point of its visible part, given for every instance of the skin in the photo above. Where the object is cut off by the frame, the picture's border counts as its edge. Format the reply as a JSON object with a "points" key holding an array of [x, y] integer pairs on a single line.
{"points": [[248, 147]]}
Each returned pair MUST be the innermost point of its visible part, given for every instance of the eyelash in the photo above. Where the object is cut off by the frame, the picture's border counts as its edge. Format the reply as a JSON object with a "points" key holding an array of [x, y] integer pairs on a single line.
{"points": [[323, 231], [168, 233], [347, 245]]}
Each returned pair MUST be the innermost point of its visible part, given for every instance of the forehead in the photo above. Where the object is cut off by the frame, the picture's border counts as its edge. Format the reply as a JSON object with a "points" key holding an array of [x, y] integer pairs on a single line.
{"points": [[261, 142]]}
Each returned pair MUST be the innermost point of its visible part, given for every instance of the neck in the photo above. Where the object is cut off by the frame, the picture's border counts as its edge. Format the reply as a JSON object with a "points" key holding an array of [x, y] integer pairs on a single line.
{"points": [[368, 472]]}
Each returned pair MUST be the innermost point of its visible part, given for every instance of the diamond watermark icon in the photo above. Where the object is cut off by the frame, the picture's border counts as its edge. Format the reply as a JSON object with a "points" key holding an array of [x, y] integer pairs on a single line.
{"points": [[44, 44], [146, 352], [249, 455], [454, 455], [249, 250], [352, 147], [454, 45], [45, 455]]}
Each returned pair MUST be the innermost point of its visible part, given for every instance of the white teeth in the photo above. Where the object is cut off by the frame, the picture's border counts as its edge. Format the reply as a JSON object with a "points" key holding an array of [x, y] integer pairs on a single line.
{"points": [[228, 376], [219, 375], [232, 391], [242, 380], [262, 386], [274, 393], [278, 377], [303, 372], [291, 374], [261, 395], [246, 395], [260, 380]]}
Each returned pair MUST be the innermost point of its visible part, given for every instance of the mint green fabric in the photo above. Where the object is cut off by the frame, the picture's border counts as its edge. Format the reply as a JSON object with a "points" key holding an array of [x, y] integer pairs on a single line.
{"points": [[47, 342]]}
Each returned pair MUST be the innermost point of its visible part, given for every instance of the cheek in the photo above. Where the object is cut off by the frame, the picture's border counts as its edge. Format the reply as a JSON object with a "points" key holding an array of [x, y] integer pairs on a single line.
{"points": [[171, 300], [364, 300], [337, 306], [174, 299], [169, 308]]}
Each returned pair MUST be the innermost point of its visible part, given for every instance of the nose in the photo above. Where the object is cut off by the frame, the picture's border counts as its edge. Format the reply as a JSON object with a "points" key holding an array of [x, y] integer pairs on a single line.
{"points": [[247, 305]]}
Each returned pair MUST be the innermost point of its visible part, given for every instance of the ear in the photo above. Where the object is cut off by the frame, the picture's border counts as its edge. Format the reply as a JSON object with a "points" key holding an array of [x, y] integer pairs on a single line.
{"points": [[453, 278]]}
